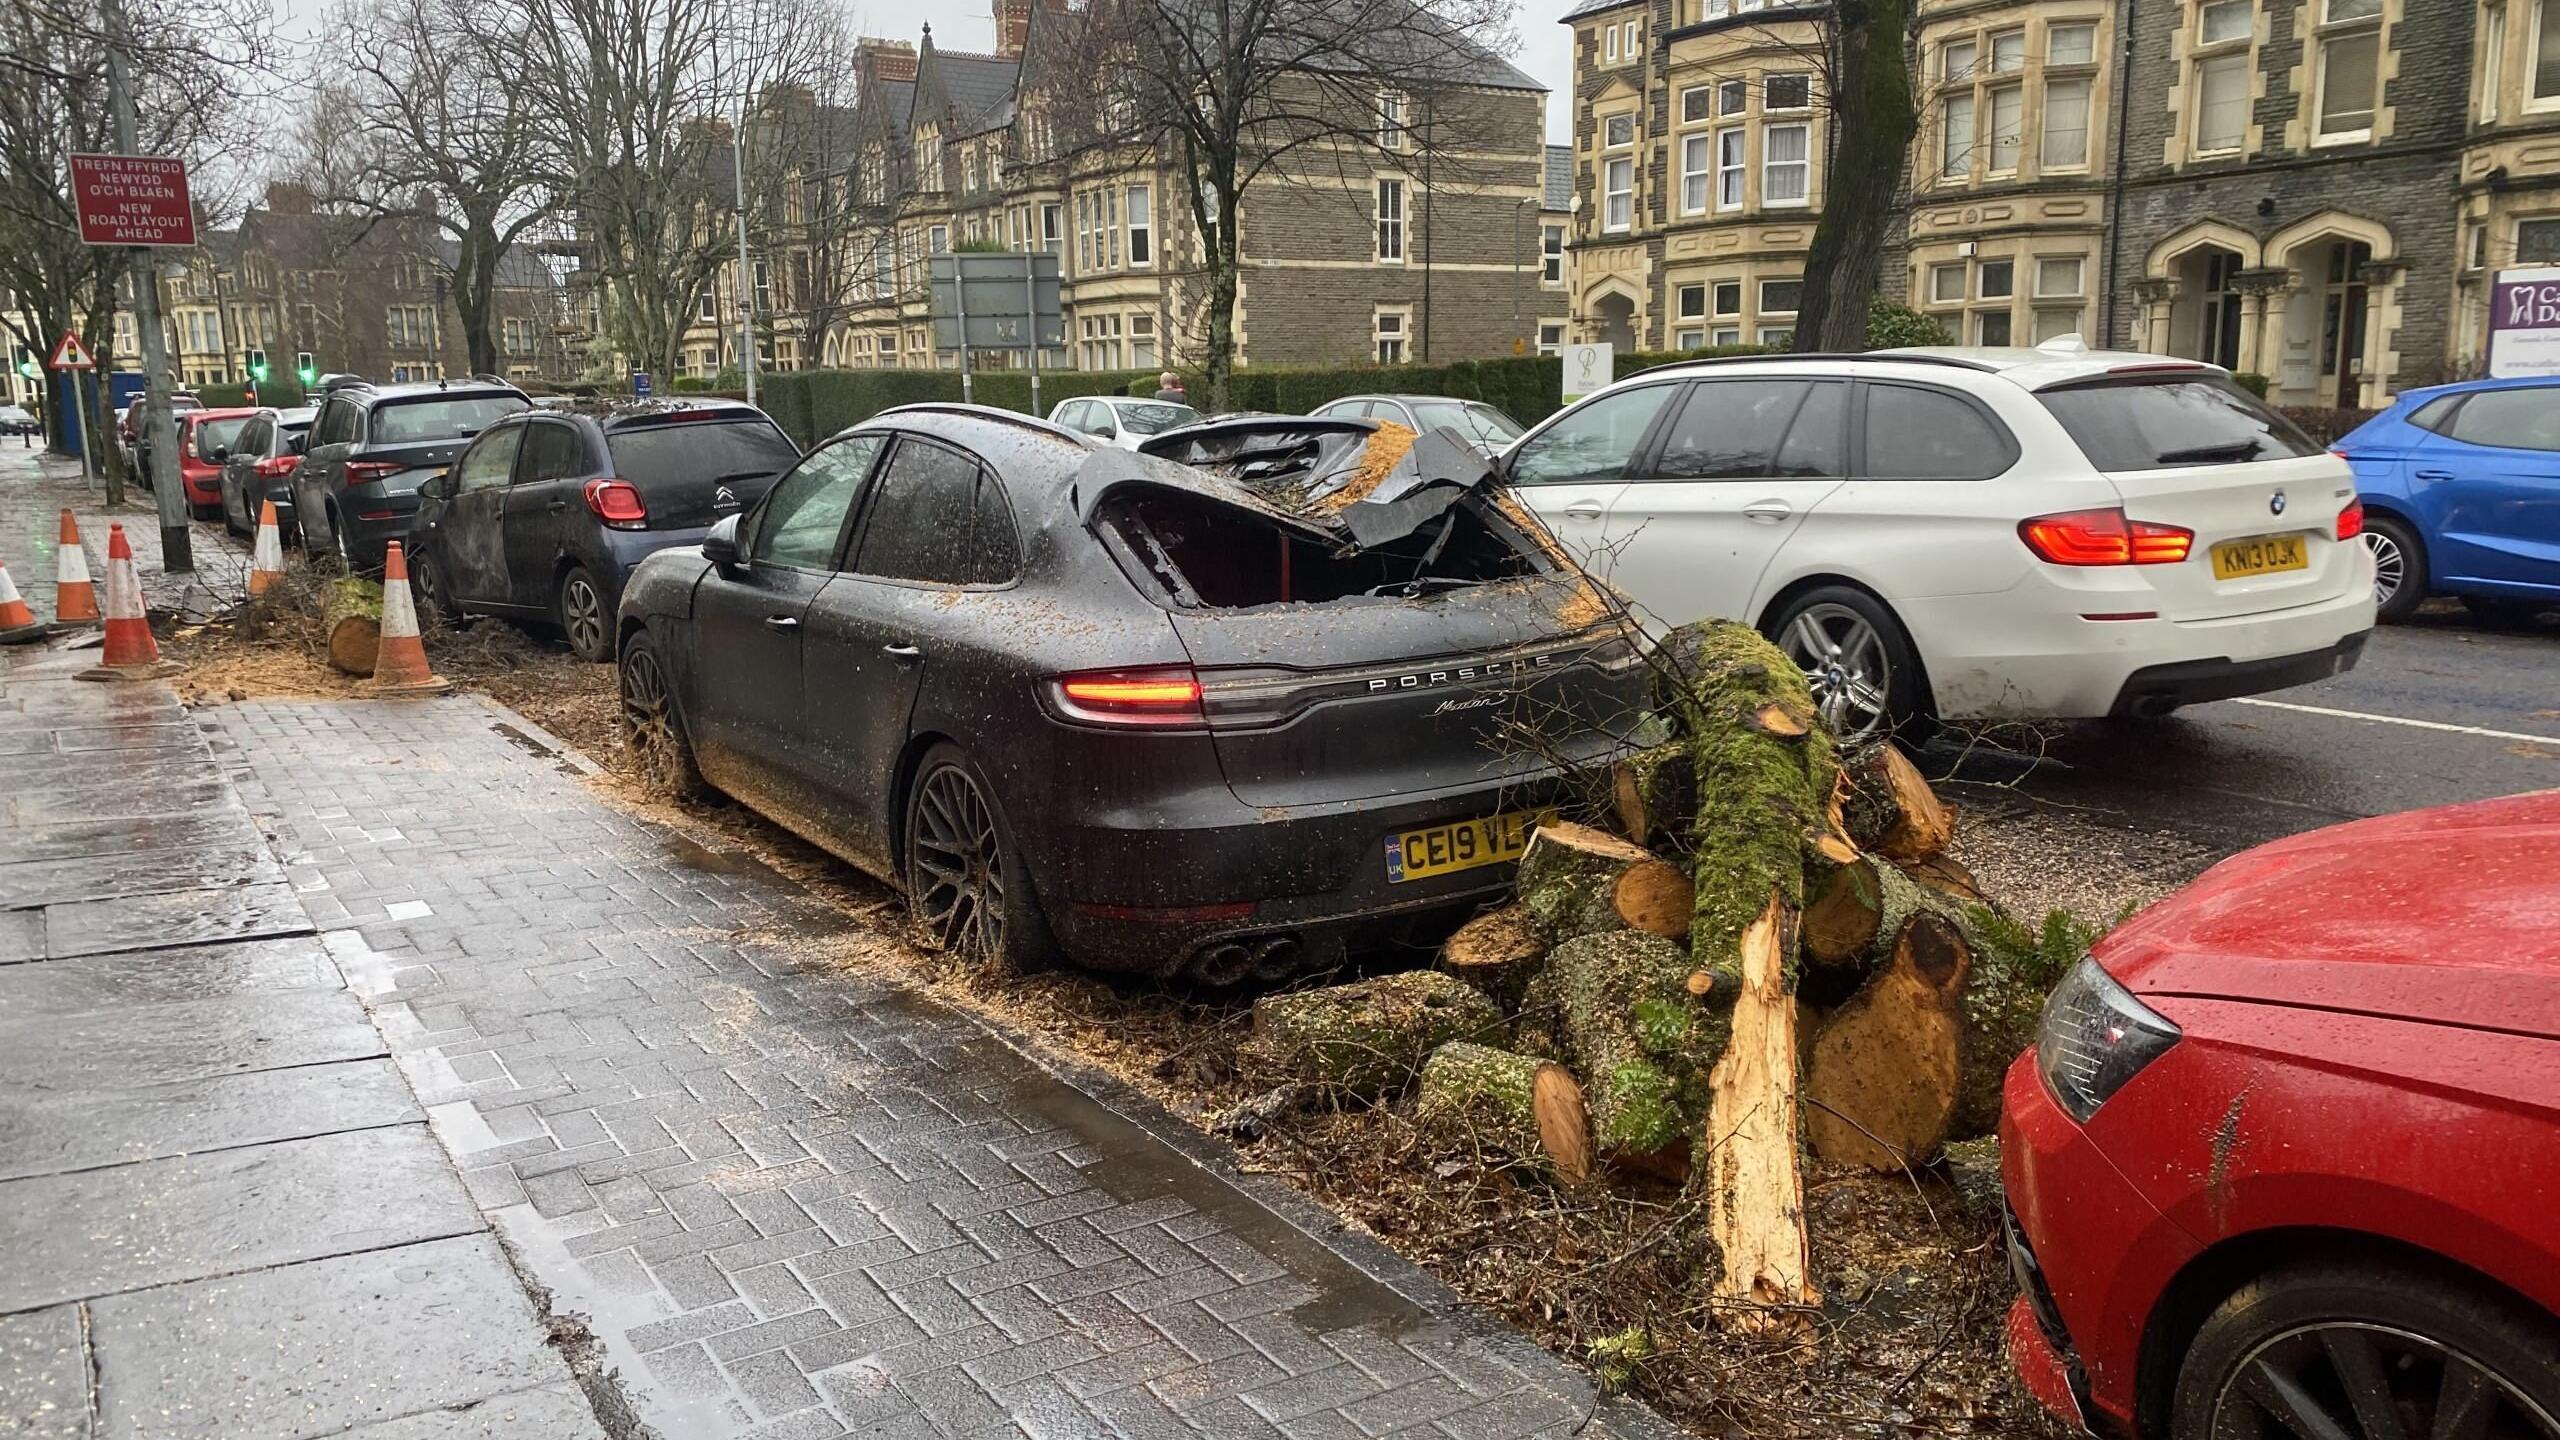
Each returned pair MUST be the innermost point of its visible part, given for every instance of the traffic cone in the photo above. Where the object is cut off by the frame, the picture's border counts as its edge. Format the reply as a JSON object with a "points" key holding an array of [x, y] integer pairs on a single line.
{"points": [[18, 624], [266, 558], [400, 666], [131, 653], [75, 600]]}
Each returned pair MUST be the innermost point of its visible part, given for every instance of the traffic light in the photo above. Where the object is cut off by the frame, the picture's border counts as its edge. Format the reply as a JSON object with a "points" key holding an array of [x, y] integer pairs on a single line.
{"points": [[27, 365], [307, 368], [257, 367]]}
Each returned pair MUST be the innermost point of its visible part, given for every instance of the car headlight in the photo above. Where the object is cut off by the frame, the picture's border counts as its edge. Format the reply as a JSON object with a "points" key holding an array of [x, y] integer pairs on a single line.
{"points": [[2094, 1037]]}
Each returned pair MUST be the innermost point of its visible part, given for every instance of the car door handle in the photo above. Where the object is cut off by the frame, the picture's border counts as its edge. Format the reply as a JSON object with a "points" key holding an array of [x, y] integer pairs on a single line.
{"points": [[784, 623], [2435, 474], [1583, 510], [1769, 512], [902, 652], [556, 506]]}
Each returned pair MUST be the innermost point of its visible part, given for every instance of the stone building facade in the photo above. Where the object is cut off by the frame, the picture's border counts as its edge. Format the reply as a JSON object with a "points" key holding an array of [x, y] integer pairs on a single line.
{"points": [[1355, 251], [2315, 191]]}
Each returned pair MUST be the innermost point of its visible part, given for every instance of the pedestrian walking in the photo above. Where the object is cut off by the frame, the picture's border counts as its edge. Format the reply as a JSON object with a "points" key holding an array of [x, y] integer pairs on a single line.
{"points": [[1169, 387]]}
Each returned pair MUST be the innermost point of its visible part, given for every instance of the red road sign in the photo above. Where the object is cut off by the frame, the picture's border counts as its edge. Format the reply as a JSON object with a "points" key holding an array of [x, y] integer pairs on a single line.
{"points": [[132, 200], [70, 354]]}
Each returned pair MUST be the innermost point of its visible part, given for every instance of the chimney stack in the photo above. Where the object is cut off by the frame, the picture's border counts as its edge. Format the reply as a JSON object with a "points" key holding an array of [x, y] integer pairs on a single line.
{"points": [[888, 59]]}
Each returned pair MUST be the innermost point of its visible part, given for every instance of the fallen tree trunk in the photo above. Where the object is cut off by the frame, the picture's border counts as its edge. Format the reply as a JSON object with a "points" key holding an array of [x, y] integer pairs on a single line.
{"points": [[351, 619], [1890, 809], [1579, 881], [2002, 1008], [1497, 952], [1755, 1192], [1654, 793], [1512, 1108], [1366, 1039], [1885, 1069], [1628, 1021]]}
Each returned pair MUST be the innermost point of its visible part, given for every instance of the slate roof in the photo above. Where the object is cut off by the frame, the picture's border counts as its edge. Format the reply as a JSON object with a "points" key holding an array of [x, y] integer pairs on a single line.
{"points": [[518, 269], [1559, 178], [980, 88]]}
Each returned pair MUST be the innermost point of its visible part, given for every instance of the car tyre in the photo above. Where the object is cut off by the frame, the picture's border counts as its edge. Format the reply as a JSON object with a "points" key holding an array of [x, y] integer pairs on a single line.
{"points": [[580, 609], [653, 726], [205, 512], [2363, 1345], [967, 889], [434, 598], [2399, 568], [1861, 663]]}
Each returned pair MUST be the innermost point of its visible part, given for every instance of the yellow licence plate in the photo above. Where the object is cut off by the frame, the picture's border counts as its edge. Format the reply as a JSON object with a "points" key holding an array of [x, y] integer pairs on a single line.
{"points": [[2261, 555], [1441, 849]]}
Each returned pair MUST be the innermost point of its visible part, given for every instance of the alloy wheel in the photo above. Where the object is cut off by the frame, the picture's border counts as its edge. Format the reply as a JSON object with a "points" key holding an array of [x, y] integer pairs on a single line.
{"points": [[2390, 566], [582, 614], [2353, 1380], [648, 720], [1846, 662], [428, 586], [955, 866]]}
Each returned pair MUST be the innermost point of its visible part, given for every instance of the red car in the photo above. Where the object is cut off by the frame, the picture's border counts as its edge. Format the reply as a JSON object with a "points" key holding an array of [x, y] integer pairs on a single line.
{"points": [[204, 442], [2285, 1159]]}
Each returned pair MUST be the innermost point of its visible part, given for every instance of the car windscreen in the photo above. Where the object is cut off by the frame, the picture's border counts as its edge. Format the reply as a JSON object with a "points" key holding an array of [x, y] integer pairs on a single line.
{"points": [[440, 417], [1155, 417], [1478, 422], [2137, 423], [212, 435], [670, 455]]}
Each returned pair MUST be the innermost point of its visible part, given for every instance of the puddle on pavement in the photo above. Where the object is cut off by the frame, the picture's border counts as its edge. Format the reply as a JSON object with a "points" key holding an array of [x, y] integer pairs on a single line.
{"points": [[693, 855], [529, 745], [542, 1252]]}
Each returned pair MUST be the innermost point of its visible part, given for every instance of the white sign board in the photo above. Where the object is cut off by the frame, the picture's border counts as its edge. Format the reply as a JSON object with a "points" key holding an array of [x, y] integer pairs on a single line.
{"points": [[1588, 368], [2524, 322]]}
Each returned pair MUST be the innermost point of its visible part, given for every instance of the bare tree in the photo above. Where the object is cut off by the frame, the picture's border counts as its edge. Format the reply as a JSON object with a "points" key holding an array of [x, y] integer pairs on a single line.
{"points": [[1873, 120], [424, 124], [1247, 95]]}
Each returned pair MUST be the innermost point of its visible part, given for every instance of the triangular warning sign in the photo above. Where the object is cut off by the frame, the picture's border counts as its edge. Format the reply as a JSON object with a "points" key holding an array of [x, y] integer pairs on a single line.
{"points": [[70, 354]]}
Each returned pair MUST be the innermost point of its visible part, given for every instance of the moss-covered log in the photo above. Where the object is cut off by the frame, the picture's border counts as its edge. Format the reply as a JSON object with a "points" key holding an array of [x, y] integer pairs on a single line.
{"points": [[351, 618], [1497, 952], [1890, 810], [1641, 1037], [1580, 881], [1515, 1109], [1654, 793], [1884, 1070], [1368, 1038], [2002, 1007], [1763, 797]]}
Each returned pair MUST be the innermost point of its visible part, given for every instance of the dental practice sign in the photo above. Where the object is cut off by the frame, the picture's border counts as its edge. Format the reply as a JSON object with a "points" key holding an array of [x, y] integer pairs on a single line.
{"points": [[2524, 322]]}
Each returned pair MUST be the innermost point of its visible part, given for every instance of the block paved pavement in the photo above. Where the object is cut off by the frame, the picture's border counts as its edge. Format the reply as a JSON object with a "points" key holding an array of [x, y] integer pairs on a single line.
{"points": [[786, 1200]]}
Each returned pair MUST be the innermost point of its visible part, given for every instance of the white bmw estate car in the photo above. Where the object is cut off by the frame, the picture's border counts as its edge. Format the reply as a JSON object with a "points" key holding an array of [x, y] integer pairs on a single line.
{"points": [[1970, 534]]}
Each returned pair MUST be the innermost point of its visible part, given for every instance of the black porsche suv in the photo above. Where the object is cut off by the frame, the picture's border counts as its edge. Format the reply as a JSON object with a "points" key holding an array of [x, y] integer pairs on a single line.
{"points": [[1219, 716], [372, 446]]}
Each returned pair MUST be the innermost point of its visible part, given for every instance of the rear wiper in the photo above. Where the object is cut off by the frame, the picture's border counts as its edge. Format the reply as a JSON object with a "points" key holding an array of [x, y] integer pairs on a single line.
{"points": [[1424, 585], [744, 475], [2237, 450]]}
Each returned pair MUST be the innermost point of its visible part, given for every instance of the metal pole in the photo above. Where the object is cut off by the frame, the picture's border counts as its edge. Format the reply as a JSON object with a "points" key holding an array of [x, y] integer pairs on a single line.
{"points": [[80, 413], [176, 555], [960, 305], [1031, 308], [746, 271]]}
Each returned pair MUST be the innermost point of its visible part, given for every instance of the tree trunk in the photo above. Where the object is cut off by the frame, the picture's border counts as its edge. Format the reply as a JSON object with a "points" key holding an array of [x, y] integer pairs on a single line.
{"points": [[1654, 793], [1755, 1192], [1579, 881], [1872, 122], [1891, 811], [1497, 952], [1638, 1034], [1885, 1067], [1510, 1108], [1369, 1038], [351, 618]]}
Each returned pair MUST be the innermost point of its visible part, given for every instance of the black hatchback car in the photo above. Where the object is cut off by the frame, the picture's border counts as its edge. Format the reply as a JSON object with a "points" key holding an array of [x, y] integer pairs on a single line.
{"points": [[545, 515], [370, 449], [1219, 719]]}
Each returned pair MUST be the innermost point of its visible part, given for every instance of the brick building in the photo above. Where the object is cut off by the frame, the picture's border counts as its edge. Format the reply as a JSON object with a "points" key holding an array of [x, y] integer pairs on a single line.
{"points": [[1350, 252], [2315, 192]]}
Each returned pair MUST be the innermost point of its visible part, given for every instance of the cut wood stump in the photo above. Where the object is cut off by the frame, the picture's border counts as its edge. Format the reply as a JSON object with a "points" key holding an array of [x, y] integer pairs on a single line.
{"points": [[1628, 1022], [1497, 952], [1368, 1038], [1885, 1068], [1654, 793], [1516, 1109], [1755, 1193], [1890, 809], [351, 618], [1580, 881]]}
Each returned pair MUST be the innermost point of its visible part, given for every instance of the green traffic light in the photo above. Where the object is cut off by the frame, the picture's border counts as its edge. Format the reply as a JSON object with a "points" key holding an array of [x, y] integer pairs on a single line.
{"points": [[310, 376], [258, 373]]}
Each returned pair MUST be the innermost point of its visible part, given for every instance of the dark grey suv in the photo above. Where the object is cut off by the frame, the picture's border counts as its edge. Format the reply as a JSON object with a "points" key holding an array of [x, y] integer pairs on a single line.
{"points": [[370, 449]]}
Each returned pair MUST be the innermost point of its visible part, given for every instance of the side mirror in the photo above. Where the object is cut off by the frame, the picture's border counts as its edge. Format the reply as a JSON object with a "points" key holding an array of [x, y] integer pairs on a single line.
{"points": [[720, 543], [220, 454], [438, 486], [297, 444], [1102, 430]]}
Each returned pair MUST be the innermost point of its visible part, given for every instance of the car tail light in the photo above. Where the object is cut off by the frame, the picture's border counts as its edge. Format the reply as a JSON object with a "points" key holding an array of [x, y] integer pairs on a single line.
{"points": [[2351, 520], [1168, 695], [2104, 537], [366, 472], [278, 467], [2094, 1037], [617, 503]]}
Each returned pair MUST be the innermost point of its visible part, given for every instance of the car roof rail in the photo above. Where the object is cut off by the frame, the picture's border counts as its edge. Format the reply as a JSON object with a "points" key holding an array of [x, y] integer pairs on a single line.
{"points": [[343, 382], [996, 413], [1952, 362]]}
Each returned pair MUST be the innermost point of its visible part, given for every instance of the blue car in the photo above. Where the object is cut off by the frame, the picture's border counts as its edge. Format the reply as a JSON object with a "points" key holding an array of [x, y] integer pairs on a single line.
{"points": [[2461, 490]]}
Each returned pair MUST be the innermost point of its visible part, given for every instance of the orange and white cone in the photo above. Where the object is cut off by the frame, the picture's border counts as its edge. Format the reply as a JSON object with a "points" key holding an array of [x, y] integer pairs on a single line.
{"points": [[131, 653], [400, 666], [75, 599], [18, 624], [266, 558]]}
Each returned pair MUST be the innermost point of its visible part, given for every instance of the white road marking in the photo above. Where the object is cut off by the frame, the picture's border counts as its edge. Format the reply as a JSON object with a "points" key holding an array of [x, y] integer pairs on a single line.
{"points": [[2440, 725]]}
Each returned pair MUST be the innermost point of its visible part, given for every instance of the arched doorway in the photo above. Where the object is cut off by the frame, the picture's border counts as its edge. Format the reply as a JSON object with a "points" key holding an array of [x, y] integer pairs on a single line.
{"points": [[1613, 322]]}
